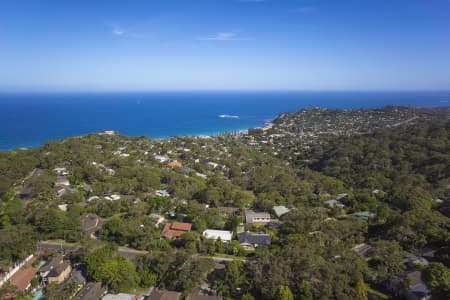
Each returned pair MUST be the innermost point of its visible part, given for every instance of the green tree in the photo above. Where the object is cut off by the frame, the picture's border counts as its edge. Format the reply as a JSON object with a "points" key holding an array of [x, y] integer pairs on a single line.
{"points": [[305, 291], [247, 297], [437, 278], [361, 290], [234, 281], [386, 259], [118, 273], [284, 293]]}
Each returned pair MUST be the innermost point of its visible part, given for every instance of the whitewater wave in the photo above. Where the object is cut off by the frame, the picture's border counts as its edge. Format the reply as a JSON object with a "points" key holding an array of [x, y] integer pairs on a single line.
{"points": [[228, 117]]}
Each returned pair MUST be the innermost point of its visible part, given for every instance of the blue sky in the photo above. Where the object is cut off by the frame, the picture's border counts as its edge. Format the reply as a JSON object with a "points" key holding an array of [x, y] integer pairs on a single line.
{"points": [[133, 45]]}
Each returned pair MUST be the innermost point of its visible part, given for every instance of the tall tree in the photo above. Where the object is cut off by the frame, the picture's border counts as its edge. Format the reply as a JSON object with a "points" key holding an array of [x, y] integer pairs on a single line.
{"points": [[284, 293]]}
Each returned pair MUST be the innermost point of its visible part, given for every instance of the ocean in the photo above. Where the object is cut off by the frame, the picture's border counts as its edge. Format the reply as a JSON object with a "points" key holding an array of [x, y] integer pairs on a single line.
{"points": [[29, 120]]}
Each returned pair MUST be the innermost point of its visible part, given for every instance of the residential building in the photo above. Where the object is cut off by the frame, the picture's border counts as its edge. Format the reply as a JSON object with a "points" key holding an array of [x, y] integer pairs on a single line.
{"points": [[162, 193], [224, 235], [163, 295], [250, 241], [417, 290], [228, 211], [363, 215], [120, 296], [280, 210], [334, 203], [202, 297], [252, 217], [56, 270], [174, 164], [175, 229]]}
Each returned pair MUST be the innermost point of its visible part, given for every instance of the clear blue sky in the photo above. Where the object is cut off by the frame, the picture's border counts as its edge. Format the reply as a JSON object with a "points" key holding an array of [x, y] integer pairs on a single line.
{"points": [[132, 45]]}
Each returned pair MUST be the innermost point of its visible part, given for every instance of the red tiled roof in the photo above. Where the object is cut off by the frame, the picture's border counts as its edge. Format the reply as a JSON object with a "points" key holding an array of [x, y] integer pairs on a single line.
{"points": [[175, 164], [175, 229], [181, 226]]}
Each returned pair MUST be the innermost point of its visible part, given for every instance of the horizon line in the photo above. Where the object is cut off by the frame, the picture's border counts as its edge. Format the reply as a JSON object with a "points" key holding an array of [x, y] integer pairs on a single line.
{"points": [[5, 92]]}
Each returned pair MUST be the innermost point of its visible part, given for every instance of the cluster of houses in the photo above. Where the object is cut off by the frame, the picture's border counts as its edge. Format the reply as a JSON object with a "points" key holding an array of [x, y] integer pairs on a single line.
{"points": [[58, 270], [62, 184], [55, 270], [407, 284], [248, 240]]}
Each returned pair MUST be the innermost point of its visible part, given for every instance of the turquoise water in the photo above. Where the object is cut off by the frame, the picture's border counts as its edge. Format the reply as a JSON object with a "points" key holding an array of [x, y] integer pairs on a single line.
{"points": [[39, 295], [29, 120]]}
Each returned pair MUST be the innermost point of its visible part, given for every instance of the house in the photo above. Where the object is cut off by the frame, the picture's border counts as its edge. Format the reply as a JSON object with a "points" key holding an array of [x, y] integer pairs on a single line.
{"points": [[61, 171], [56, 270], [163, 295], [413, 261], [334, 203], [280, 210], [113, 197], [161, 158], [120, 296], [174, 164], [91, 223], [341, 196], [92, 291], [162, 193], [62, 190], [62, 207], [250, 241], [363, 215], [252, 217], [417, 290], [62, 181], [78, 277], [228, 211], [175, 230], [224, 235], [202, 297], [362, 249]]}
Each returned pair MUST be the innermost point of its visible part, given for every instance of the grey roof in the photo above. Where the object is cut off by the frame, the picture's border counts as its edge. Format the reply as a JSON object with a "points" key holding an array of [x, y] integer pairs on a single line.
{"points": [[57, 270], [54, 262], [78, 277], [163, 295], [255, 238], [250, 215]]}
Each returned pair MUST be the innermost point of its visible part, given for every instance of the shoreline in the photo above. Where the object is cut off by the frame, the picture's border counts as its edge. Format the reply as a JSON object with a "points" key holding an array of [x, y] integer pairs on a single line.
{"points": [[241, 131]]}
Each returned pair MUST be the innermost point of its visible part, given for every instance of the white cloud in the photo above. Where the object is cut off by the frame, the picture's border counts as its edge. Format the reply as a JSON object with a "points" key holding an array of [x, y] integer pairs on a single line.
{"points": [[120, 31], [222, 36]]}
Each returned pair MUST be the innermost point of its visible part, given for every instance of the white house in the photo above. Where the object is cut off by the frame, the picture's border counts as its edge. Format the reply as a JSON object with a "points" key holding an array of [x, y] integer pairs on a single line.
{"points": [[224, 235]]}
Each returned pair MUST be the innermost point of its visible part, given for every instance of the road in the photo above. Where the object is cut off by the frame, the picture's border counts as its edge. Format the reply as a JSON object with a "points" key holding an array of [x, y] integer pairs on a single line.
{"points": [[61, 247]]}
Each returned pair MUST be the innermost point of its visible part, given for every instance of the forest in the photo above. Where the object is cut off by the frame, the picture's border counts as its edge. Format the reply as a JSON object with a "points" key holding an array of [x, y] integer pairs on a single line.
{"points": [[390, 190]]}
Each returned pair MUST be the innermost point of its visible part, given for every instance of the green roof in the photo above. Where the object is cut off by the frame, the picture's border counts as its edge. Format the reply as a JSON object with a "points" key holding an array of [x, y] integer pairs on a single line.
{"points": [[281, 210], [365, 215]]}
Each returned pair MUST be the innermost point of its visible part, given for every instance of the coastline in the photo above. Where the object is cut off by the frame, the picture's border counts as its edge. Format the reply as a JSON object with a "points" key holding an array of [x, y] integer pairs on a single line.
{"points": [[203, 134]]}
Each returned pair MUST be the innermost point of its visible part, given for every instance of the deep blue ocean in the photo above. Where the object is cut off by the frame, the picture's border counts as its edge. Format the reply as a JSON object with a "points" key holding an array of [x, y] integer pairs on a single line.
{"points": [[29, 120]]}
